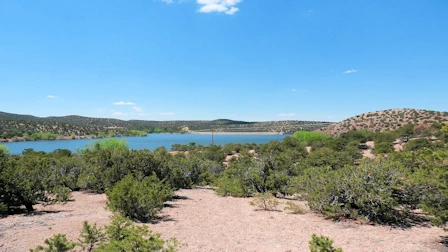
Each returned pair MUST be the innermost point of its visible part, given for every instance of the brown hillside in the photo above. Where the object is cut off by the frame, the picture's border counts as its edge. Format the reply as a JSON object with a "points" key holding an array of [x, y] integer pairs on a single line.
{"points": [[384, 120]]}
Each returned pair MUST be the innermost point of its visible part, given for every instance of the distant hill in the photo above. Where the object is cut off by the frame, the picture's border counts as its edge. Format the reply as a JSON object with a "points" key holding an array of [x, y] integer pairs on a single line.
{"points": [[384, 120], [15, 125]]}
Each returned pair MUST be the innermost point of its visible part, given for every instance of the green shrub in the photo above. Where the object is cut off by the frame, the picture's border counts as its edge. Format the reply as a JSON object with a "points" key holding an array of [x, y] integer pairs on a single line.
{"points": [[322, 244], [90, 236], [247, 176], [407, 130], [264, 201], [214, 153], [328, 157], [429, 178], [138, 132], [417, 144], [307, 136], [294, 208], [121, 235], [138, 199], [61, 193], [386, 136], [57, 243], [28, 180], [235, 180], [4, 149], [228, 186], [373, 190], [108, 144], [185, 171], [66, 171], [383, 148], [3, 208], [361, 135], [433, 191]]}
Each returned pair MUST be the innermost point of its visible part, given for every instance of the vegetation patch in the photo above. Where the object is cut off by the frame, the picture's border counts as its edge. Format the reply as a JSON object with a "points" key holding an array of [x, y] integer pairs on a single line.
{"points": [[264, 201], [322, 244], [120, 235], [138, 199], [294, 208], [307, 136]]}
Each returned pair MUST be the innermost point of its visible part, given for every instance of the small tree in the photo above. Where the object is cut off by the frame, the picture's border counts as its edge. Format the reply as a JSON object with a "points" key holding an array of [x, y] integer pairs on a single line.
{"points": [[120, 235], [123, 235], [26, 180], [322, 244], [90, 236], [375, 190], [57, 243], [137, 199], [383, 147]]}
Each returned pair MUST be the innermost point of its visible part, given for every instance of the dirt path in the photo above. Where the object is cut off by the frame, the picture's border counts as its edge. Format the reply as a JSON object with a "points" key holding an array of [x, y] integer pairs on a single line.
{"points": [[207, 222]]}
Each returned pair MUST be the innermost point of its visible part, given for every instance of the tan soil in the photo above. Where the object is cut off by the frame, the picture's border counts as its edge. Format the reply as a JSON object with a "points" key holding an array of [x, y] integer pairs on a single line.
{"points": [[368, 152], [21, 232], [398, 147], [207, 222], [308, 149]]}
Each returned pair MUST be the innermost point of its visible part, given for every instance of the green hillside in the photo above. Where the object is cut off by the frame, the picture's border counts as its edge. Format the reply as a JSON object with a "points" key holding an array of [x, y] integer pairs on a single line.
{"points": [[27, 127]]}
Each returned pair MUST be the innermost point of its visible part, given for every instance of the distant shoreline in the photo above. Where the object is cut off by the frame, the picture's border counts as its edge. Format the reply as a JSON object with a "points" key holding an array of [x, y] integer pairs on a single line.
{"points": [[234, 133], [65, 138]]}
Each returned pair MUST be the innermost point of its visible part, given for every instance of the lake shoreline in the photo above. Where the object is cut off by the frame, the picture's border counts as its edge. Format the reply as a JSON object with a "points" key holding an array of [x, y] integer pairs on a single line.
{"points": [[234, 133], [21, 139], [151, 142]]}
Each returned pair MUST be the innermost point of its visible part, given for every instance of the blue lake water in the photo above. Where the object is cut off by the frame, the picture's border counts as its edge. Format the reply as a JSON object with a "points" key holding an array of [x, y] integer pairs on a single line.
{"points": [[150, 142]]}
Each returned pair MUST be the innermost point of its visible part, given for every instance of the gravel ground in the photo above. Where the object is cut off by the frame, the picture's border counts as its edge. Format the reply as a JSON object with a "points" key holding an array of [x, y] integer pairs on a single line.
{"points": [[207, 222]]}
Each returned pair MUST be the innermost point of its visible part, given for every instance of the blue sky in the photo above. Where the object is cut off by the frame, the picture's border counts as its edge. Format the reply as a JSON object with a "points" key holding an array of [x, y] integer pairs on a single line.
{"points": [[251, 60]]}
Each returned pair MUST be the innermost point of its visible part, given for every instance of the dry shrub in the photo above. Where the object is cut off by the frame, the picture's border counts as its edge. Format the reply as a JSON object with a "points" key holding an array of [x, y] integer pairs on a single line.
{"points": [[294, 208], [264, 201]]}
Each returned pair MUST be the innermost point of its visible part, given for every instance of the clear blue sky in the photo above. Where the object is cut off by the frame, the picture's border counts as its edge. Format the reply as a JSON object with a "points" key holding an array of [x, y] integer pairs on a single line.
{"points": [[252, 60]]}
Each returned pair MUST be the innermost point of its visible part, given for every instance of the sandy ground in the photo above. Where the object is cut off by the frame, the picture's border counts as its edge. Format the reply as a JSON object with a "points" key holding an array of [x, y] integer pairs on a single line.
{"points": [[22, 232], [398, 147], [368, 152], [308, 149], [207, 222]]}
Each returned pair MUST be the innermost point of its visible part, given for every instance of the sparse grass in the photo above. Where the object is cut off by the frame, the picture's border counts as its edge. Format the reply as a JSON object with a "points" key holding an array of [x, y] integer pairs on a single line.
{"points": [[294, 208], [264, 201]]}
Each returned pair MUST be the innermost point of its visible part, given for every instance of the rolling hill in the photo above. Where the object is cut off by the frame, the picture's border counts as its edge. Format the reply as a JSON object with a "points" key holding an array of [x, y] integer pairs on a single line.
{"points": [[16, 125], [384, 120]]}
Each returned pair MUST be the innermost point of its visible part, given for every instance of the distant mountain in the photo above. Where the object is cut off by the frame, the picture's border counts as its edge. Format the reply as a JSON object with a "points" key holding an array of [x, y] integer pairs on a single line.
{"points": [[15, 125], [391, 119], [9, 116]]}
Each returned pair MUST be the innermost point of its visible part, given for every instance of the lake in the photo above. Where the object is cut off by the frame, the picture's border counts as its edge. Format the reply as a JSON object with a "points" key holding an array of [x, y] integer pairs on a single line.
{"points": [[150, 142]]}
